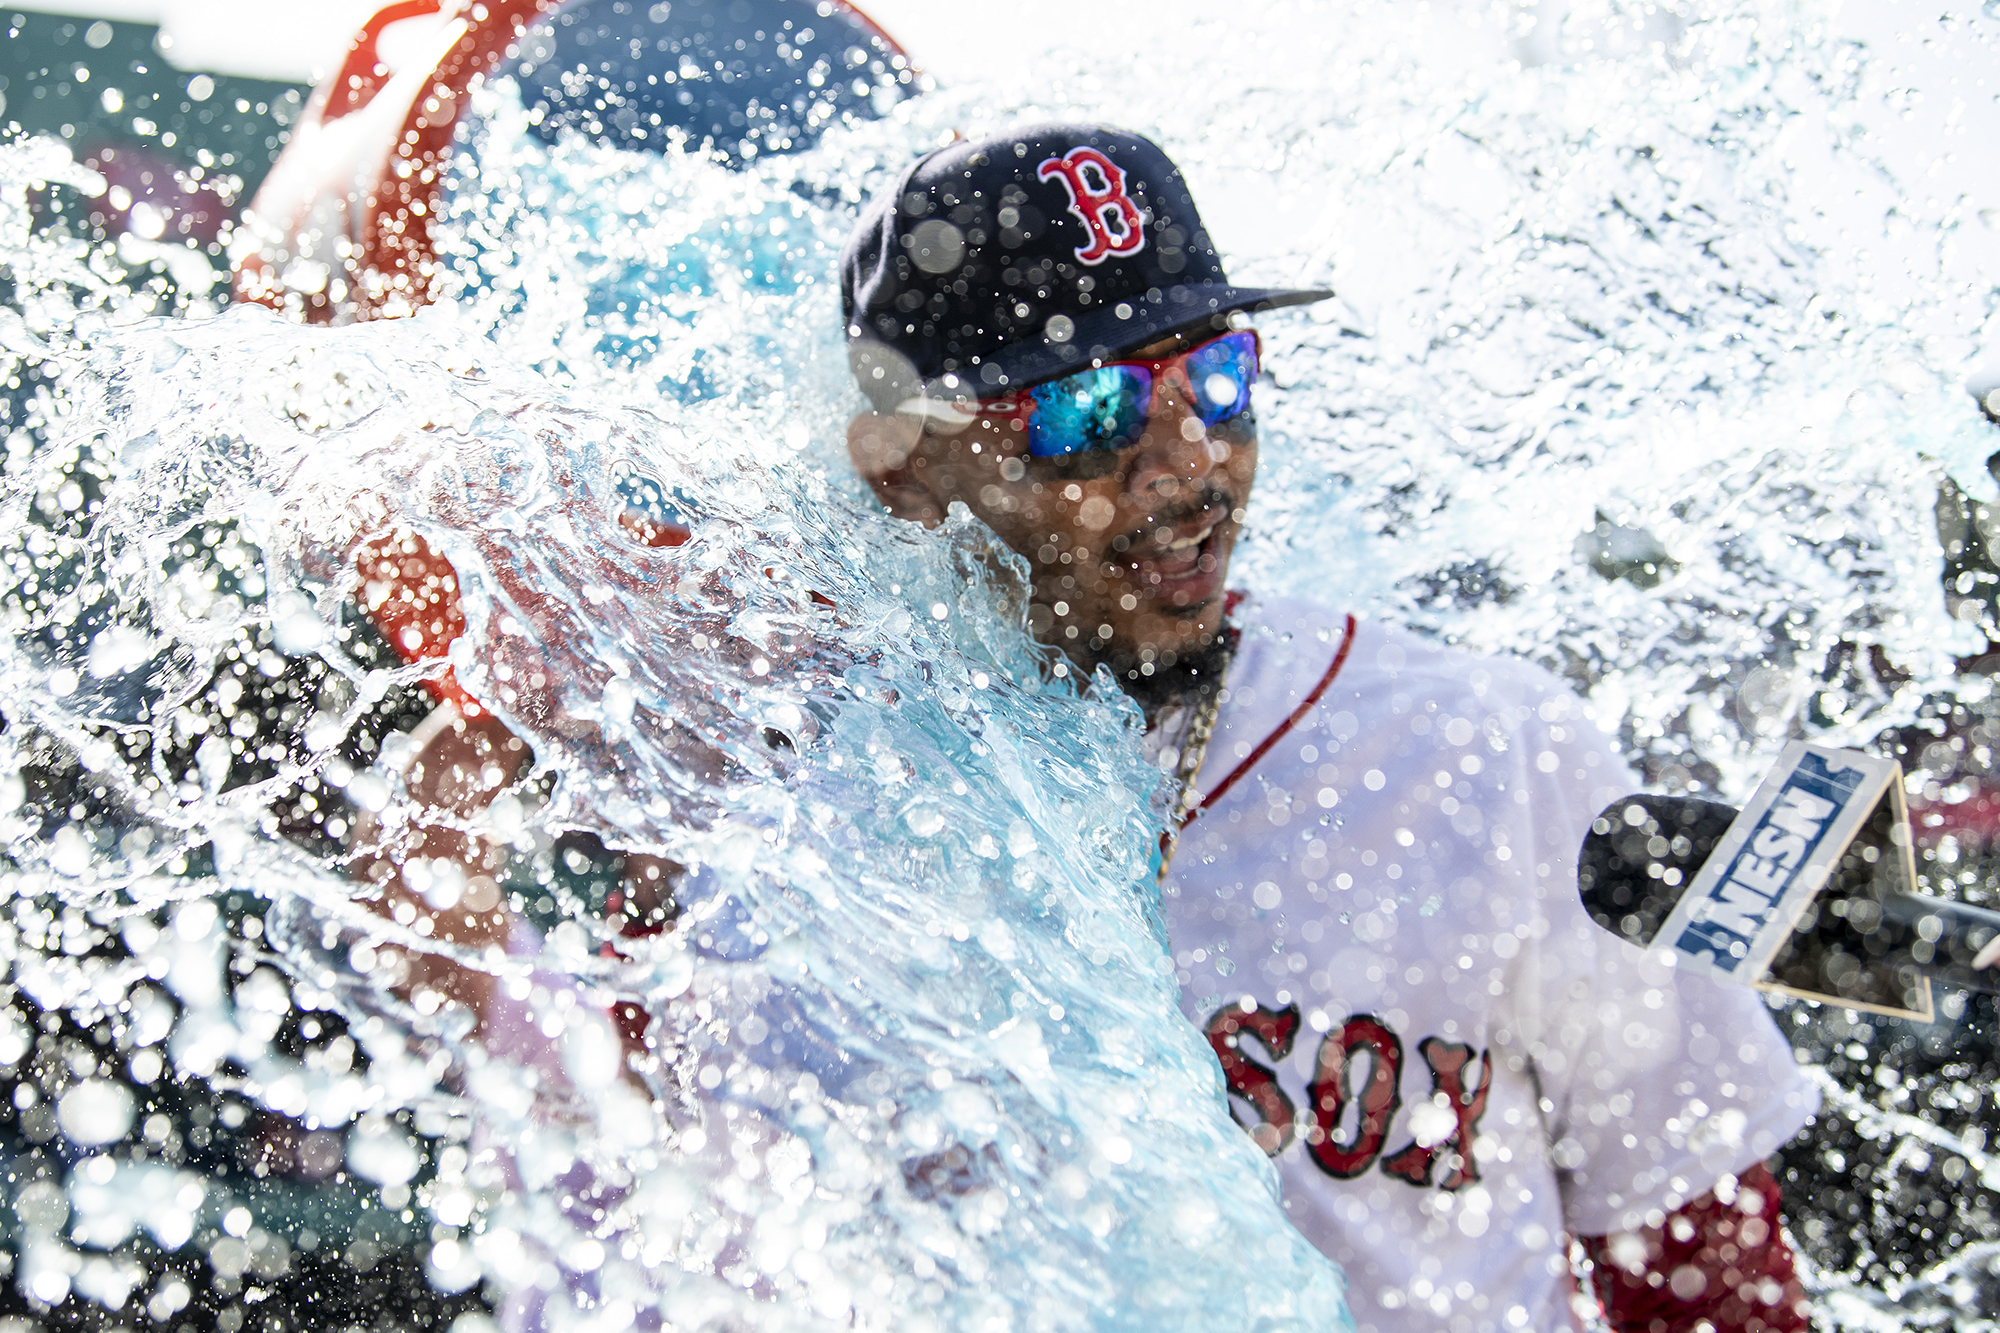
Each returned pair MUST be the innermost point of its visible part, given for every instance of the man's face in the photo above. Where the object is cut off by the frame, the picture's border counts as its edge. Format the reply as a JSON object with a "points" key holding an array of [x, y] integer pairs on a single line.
{"points": [[1129, 549]]}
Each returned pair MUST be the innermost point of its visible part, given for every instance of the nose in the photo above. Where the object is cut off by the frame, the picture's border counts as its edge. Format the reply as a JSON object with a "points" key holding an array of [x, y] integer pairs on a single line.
{"points": [[1176, 449]]}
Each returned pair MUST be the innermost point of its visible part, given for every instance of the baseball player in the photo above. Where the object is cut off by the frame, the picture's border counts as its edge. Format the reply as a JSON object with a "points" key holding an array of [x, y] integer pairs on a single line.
{"points": [[1371, 883]]}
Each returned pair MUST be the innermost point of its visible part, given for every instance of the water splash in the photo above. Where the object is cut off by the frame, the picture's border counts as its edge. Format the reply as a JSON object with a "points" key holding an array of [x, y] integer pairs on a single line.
{"points": [[1628, 401], [1622, 397], [911, 1049], [1612, 384]]}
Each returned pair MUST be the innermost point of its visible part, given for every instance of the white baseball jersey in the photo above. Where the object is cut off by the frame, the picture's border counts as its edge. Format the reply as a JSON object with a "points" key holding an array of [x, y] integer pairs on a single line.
{"points": [[1378, 925]]}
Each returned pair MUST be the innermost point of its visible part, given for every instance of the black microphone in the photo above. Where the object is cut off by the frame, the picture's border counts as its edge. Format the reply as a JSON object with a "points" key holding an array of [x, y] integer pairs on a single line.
{"points": [[1861, 938]]}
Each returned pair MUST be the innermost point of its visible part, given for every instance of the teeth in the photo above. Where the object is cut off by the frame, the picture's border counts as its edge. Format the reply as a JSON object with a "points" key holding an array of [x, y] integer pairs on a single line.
{"points": [[1196, 540]]}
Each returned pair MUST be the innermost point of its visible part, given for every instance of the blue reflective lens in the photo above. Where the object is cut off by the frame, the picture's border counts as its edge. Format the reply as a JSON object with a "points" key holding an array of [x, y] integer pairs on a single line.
{"points": [[1221, 373], [1104, 408]]}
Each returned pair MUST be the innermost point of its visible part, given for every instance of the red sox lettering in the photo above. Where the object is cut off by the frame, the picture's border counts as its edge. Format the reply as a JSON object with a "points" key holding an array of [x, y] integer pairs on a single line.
{"points": [[1416, 1163], [1276, 1117], [1364, 1038], [1100, 203]]}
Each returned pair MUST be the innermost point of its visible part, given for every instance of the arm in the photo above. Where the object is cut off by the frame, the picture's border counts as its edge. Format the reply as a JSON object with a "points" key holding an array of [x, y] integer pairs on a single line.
{"points": [[459, 766], [463, 758], [1719, 1261]]}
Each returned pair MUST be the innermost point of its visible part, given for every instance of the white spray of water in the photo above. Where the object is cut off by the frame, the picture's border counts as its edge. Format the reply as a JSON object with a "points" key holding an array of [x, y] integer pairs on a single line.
{"points": [[1610, 383], [1602, 389], [913, 1061]]}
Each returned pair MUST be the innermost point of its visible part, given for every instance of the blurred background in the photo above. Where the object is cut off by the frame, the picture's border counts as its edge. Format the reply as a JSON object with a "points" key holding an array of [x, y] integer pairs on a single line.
{"points": [[183, 105], [212, 84]]}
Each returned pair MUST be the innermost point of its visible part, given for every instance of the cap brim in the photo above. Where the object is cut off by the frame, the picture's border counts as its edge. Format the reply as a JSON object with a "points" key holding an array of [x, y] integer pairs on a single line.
{"points": [[1108, 334]]}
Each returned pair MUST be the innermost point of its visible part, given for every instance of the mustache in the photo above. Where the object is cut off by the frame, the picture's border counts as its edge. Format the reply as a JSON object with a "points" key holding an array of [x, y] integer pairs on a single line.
{"points": [[1212, 499]]}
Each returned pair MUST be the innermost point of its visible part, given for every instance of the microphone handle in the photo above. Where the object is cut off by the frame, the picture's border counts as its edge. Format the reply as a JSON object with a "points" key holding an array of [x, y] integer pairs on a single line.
{"points": [[1954, 944]]}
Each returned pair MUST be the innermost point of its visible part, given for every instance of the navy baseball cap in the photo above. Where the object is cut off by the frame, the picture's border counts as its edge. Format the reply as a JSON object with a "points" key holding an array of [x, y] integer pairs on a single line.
{"points": [[1003, 262]]}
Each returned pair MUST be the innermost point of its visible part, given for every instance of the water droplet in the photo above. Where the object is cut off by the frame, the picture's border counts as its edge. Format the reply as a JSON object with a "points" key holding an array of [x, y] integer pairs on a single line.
{"points": [[95, 1112]]}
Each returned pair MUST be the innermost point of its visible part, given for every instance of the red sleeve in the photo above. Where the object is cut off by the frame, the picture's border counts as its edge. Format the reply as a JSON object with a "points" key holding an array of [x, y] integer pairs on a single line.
{"points": [[1725, 1265]]}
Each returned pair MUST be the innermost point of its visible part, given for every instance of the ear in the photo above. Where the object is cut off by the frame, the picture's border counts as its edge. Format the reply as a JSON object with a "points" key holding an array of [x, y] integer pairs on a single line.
{"points": [[883, 448]]}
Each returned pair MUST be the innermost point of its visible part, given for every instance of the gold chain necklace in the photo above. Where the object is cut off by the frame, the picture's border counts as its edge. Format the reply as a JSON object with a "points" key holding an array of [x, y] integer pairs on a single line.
{"points": [[1194, 749]]}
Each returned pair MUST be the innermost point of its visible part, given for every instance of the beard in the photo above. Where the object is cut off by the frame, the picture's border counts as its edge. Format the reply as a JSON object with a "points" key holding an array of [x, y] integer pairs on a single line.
{"points": [[1188, 677]]}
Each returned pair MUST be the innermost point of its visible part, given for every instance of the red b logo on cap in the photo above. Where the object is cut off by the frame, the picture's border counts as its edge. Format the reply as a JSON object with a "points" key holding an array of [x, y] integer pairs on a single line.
{"points": [[1101, 205]]}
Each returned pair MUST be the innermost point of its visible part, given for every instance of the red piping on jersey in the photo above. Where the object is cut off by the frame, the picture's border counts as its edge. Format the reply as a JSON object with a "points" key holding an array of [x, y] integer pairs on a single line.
{"points": [[1298, 715]]}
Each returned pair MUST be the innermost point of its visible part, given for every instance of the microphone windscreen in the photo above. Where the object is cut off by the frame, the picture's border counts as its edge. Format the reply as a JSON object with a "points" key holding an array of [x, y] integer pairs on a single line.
{"points": [[1639, 857]]}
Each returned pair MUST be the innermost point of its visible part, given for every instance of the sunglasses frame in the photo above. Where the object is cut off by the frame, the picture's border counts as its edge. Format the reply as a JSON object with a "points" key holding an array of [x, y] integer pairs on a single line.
{"points": [[956, 413], [1020, 403]]}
